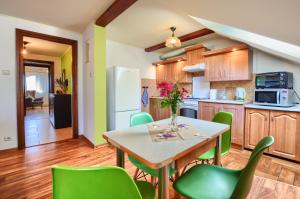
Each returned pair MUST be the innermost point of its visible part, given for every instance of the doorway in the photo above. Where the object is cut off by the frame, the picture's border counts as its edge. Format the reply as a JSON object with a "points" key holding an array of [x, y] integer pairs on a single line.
{"points": [[43, 86]]}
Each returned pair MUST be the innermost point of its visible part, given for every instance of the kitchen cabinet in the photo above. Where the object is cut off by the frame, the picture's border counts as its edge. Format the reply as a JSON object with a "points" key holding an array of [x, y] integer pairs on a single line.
{"points": [[257, 126], [228, 65], [172, 72], [207, 111], [194, 54], [156, 111], [284, 126]]}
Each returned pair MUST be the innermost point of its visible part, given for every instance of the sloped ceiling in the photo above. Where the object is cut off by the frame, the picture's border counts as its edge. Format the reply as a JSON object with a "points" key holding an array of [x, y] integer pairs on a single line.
{"points": [[276, 19]]}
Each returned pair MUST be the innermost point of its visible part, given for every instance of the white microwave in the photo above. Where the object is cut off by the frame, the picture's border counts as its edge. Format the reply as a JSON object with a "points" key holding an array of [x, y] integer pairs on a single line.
{"points": [[274, 97]]}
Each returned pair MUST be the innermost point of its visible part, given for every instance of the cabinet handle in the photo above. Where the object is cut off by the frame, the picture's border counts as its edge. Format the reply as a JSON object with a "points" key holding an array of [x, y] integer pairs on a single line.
{"points": [[272, 119], [265, 119]]}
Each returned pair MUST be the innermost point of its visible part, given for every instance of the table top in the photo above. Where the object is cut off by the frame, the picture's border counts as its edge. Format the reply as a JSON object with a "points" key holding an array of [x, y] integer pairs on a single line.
{"points": [[137, 142]]}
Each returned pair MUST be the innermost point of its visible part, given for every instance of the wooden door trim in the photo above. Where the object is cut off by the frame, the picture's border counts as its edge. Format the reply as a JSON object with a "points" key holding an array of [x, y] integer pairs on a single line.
{"points": [[20, 34]]}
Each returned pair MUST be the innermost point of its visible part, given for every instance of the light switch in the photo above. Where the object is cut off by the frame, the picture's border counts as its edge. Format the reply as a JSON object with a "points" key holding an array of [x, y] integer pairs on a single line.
{"points": [[5, 72]]}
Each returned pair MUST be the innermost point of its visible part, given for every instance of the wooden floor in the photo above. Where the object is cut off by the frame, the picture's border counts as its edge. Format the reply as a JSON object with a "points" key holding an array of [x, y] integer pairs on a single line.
{"points": [[26, 173], [38, 129]]}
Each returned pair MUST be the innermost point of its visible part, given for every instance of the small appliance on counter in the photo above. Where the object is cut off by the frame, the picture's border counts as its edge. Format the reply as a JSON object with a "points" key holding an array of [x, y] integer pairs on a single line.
{"points": [[274, 89], [274, 97], [275, 80], [240, 93], [223, 94], [213, 94]]}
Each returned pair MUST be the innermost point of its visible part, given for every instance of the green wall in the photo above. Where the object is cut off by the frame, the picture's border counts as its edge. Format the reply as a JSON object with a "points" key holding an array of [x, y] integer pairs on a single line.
{"points": [[66, 63], [99, 83]]}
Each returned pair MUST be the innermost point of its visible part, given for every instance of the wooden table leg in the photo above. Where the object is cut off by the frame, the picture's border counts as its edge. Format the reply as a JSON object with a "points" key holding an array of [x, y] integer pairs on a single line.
{"points": [[120, 158], [218, 150], [163, 183]]}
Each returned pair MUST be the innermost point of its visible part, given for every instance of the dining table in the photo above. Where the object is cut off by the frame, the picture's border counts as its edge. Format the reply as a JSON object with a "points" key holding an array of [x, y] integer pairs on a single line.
{"points": [[159, 154]]}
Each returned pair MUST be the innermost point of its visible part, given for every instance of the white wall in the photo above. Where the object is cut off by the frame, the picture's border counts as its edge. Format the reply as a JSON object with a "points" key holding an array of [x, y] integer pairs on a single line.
{"points": [[88, 79], [8, 112], [118, 54], [264, 62]]}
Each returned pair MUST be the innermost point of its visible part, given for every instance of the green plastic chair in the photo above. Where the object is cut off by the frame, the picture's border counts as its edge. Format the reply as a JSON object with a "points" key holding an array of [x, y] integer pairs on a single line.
{"points": [[224, 118], [98, 183], [214, 182], [139, 119]]}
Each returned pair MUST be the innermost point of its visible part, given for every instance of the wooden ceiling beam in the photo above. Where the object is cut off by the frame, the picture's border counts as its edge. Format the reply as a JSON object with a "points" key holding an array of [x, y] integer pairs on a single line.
{"points": [[183, 38], [114, 11]]}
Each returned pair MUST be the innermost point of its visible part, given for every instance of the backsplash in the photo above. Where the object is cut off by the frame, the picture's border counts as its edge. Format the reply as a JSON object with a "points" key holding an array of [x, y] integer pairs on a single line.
{"points": [[153, 91], [230, 87]]}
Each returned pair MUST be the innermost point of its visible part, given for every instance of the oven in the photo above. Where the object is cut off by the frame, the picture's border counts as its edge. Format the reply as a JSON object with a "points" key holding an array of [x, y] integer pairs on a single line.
{"points": [[189, 108]]}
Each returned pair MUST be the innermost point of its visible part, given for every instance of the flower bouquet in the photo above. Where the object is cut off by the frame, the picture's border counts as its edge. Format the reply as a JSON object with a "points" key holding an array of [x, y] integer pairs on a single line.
{"points": [[172, 97]]}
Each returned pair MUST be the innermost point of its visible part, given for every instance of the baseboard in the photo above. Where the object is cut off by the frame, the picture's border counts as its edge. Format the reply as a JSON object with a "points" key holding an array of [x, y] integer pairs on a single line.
{"points": [[91, 144]]}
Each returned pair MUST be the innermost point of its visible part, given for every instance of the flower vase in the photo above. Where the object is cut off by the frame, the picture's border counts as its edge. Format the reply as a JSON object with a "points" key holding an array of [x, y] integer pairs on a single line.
{"points": [[173, 124]]}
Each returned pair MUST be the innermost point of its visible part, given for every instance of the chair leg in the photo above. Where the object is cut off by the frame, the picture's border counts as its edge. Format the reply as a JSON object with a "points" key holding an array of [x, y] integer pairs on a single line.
{"points": [[153, 180], [136, 174]]}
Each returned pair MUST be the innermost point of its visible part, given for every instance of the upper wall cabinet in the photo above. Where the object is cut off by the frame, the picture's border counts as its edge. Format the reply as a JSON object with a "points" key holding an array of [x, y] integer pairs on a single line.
{"points": [[228, 64], [171, 71], [194, 54]]}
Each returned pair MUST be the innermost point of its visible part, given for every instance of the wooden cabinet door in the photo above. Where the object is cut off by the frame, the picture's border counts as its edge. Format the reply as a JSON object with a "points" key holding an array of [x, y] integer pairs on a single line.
{"points": [[239, 65], [211, 68], [207, 111], [156, 111], [237, 128], [182, 76], [257, 126], [285, 128], [160, 73], [194, 56]]}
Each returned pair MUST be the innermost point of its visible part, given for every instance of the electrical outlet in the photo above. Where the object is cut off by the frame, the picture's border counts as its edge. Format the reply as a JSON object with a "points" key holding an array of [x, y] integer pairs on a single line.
{"points": [[7, 139]]}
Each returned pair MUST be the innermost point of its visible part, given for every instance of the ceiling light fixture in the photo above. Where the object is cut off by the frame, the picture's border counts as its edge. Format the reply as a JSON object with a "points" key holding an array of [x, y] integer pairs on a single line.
{"points": [[173, 41], [24, 50]]}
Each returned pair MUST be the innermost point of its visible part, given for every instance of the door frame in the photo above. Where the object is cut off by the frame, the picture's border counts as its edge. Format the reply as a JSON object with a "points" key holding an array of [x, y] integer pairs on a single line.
{"points": [[43, 64], [20, 86]]}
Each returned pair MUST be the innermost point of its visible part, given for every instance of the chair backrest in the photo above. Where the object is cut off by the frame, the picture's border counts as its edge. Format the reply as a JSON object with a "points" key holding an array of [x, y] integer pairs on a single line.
{"points": [[140, 118], [245, 181], [224, 118], [93, 183]]}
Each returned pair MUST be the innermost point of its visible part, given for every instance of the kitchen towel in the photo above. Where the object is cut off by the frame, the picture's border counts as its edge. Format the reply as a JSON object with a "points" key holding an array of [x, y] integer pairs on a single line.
{"points": [[145, 96]]}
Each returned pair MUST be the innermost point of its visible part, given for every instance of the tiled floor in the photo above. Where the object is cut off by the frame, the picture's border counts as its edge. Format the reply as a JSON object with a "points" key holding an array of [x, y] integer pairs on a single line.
{"points": [[38, 129]]}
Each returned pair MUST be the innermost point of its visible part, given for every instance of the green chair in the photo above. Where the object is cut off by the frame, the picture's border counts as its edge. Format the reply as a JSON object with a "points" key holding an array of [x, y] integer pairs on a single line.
{"points": [[214, 182], [98, 182], [224, 118], [139, 119]]}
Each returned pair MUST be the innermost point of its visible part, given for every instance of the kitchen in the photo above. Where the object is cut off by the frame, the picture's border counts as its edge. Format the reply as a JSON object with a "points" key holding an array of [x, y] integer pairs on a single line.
{"points": [[229, 78]]}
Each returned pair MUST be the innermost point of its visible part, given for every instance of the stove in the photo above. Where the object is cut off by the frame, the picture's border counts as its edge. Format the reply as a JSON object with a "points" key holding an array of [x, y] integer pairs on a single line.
{"points": [[189, 107]]}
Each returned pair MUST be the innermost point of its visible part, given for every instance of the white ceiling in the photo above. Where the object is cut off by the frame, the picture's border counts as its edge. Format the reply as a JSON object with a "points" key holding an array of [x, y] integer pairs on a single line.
{"points": [[147, 23], [44, 47], [72, 15]]}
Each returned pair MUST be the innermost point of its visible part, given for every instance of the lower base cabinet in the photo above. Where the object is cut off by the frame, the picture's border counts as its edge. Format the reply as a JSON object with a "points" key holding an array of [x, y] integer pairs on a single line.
{"points": [[156, 111], [207, 110], [282, 125]]}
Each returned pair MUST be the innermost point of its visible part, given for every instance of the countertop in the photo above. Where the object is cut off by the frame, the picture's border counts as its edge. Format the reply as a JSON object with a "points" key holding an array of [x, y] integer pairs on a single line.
{"points": [[295, 108], [239, 102]]}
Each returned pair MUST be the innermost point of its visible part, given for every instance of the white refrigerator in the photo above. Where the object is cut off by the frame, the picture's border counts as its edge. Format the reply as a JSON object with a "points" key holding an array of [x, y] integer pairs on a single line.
{"points": [[126, 97]]}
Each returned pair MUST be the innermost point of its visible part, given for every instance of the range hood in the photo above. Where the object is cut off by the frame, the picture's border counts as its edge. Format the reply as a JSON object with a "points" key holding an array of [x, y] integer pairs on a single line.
{"points": [[194, 68]]}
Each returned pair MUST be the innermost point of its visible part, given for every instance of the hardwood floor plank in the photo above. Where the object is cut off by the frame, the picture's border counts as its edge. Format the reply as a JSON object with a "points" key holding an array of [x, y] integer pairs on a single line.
{"points": [[27, 174]]}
